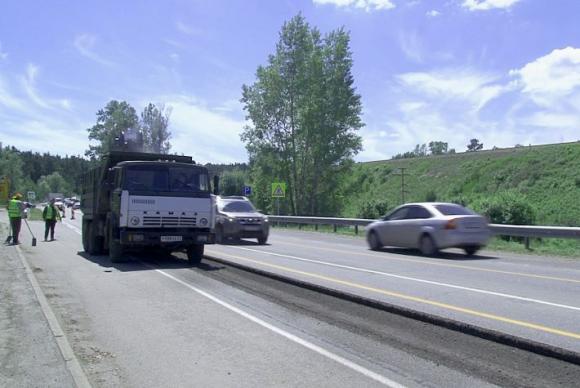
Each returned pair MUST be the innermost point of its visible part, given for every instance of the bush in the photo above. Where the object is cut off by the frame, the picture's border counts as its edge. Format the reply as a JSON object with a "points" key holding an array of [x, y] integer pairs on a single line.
{"points": [[372, 208], [508, 207], [431, 196]]}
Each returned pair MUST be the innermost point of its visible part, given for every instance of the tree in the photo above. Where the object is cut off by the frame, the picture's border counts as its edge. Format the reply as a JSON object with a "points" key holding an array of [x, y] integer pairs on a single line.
{"points": [[304, 115], [420, 150], [53, 183], [11, 167], [154, 123], [115, 118], [438, 147], [232, 182], [474, 145]]}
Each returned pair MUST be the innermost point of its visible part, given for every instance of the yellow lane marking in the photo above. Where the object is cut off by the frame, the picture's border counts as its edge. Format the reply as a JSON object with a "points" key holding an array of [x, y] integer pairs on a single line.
{"points": [[463, 310], [377, 256]]}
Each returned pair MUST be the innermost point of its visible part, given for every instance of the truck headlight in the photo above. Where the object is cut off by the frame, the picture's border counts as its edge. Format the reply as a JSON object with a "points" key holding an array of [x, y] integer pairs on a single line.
{"points": [[203, 222], [135, 221]]}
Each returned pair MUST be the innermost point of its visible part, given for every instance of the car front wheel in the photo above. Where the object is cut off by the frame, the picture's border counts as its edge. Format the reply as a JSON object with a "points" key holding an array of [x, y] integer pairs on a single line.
{"points": [[374, 242], [427, 246]]}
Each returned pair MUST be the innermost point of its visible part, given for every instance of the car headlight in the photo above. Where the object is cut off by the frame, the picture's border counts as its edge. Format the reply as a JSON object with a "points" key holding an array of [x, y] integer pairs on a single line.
{"points": [[135, 221], [265, 219], [231, 219], [203, 222]]}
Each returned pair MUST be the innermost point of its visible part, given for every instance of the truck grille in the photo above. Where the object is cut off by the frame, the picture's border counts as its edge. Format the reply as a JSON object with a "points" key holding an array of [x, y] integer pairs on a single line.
{"points": [[169, 221]]}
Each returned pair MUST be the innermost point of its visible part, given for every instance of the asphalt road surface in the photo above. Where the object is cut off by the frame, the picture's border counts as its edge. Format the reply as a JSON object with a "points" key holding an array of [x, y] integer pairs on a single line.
{"points": [[153, 321]]}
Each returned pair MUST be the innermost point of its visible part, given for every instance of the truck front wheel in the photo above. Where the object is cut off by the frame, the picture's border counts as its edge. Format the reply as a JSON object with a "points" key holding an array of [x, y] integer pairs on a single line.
{"points": [[195, 254], [115, 249]]}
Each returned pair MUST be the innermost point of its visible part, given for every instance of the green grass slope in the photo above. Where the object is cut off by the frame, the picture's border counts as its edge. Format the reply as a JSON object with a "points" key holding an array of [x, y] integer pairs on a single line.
{"points": [[547, 177]]}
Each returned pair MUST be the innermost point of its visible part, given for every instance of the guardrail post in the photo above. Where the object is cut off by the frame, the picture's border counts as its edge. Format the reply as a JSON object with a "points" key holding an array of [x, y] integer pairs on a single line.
{"points": [[299, 226], [316, 227], [527, 242], [356, 229], [334, 228]]}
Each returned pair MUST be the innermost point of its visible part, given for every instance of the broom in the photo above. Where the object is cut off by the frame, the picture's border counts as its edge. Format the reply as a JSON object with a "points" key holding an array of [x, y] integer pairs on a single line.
{"points": [[30, 230]]}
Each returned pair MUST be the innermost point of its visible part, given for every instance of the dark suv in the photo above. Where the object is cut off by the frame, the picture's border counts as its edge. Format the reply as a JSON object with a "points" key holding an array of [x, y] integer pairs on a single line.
{"points": [[237, 218]]}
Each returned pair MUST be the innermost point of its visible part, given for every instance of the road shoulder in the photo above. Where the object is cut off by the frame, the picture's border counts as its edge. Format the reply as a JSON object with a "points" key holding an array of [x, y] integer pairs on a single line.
{"points": [[29, 352]]}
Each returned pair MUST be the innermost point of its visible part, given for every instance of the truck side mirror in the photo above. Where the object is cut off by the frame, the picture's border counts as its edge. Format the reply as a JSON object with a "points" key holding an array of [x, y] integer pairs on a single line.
{"points": [[216, 185]]}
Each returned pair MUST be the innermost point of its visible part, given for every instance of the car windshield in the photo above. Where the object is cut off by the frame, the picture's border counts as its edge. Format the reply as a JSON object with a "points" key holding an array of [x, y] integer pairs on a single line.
{"points": [[236, 207], [453, 210], [167, 179]]}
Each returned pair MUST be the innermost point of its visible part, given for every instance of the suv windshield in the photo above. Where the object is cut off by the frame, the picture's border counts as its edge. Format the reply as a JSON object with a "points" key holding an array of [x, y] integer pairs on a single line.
{"points": [[236, 207], [163, 178]]}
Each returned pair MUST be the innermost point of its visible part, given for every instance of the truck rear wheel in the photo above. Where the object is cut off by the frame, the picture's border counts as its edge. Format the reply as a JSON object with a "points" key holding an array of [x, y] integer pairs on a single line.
{"points": [[195, 254], [85, 235], [94, 242]]}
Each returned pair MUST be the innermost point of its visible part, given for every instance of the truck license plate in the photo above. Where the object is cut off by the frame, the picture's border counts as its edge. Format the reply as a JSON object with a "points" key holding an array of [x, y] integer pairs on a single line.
{"points": [[171, 238]]}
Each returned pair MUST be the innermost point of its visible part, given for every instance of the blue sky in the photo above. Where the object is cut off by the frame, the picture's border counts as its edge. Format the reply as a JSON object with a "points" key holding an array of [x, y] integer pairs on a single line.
{"points": [[503, 71]]}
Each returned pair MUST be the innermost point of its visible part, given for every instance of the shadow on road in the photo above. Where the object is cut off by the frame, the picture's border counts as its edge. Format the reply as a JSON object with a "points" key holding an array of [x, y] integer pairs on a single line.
{"points": [[443, 255], [241, 242], [147, 262]]}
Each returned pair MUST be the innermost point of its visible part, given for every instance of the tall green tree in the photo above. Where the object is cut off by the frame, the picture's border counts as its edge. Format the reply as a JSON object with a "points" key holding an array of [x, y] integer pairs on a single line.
{"points": [[154, 124], [11, 166], [304, 113], [112, 120], [438, 147]]}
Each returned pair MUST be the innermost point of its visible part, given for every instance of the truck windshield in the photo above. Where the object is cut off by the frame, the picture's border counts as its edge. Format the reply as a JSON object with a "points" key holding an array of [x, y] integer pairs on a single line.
{"points": [[165, 179]]}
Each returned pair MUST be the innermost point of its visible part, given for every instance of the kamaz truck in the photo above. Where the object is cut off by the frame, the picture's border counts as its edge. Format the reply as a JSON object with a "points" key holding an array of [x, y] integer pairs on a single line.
{"points": [[137, 201]]}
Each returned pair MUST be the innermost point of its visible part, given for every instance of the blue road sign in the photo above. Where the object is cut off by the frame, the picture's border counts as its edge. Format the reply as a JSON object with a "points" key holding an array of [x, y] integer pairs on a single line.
{"points": [[247, 190]]}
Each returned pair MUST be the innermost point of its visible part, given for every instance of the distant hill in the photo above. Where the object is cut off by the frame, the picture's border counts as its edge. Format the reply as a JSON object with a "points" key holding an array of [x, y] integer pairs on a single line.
{"points": [[547, 177]]}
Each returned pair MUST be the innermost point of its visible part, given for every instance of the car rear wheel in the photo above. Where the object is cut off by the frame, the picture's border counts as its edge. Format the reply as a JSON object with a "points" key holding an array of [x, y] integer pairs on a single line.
{"points": [[470, 251], [427, 246], [374, 242]]}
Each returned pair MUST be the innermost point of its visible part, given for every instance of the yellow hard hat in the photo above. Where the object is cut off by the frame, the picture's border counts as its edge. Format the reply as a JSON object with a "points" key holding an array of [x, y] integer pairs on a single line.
{"points": [[17, 196]]}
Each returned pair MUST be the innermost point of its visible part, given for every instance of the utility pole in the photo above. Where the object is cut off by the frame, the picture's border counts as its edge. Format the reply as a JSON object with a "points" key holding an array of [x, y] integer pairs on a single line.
{"points": [[403, 184]]}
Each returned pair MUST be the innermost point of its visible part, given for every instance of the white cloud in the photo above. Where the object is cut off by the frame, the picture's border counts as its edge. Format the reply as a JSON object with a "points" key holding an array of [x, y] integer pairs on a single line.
{"points": [[465, 84], [3, 55], [204, 132], [367, 5], [26, 123], [486, 5], [29, 85], [433, 13], [85, 44], [411, 46], [551, 78], [536, 104], [187, 29]]}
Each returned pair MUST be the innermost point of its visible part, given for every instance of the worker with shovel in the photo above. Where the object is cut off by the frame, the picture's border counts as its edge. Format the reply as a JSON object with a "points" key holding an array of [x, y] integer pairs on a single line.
{"points": [[15, 207], [50, 215]]}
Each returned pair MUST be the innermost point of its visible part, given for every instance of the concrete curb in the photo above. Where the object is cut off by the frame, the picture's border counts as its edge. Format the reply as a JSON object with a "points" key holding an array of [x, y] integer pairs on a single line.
{"points": [[72, 363], [465, 328]]}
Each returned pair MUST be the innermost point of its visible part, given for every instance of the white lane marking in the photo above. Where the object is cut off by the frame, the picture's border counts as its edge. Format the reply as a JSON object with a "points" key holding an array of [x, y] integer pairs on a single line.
{"points": [[341, 360], [478, 290], [71, 226]]}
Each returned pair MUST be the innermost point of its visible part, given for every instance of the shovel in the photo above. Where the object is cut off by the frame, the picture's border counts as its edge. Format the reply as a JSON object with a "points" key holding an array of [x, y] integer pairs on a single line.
{"points": [[33, 238]]}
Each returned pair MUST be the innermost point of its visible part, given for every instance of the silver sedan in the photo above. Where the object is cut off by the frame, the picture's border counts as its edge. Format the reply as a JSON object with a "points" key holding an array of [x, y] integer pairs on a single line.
{"points": [[429, 227]]}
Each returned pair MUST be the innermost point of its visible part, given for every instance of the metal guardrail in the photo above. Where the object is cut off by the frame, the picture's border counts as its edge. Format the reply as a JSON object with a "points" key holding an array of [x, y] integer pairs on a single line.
{"points": [[526, 231]]}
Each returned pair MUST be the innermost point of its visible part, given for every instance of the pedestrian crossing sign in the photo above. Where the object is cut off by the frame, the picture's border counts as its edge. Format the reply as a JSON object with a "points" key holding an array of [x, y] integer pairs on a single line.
{"points": [[278, 190]]}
